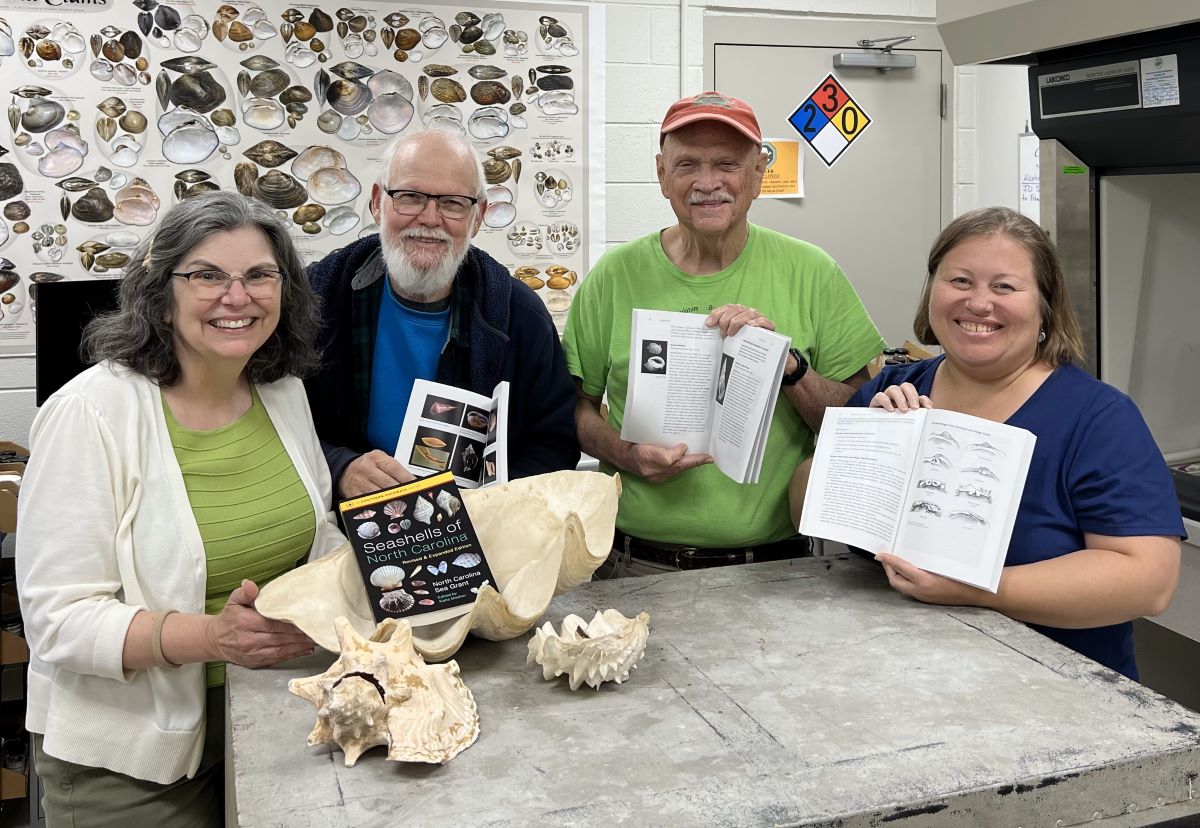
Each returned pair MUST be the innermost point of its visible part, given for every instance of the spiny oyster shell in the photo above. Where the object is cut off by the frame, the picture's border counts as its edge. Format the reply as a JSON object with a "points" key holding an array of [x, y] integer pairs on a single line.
{"points": [[381, 692], [605, 649], [543, 536]]}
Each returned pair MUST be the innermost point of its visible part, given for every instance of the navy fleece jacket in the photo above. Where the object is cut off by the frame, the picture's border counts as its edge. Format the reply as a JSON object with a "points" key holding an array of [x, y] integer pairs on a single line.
{"points": [[509, 336]]}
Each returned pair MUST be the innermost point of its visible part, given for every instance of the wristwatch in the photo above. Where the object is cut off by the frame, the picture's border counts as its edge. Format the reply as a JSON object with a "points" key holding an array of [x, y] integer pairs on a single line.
{"points": [[801, 368]]}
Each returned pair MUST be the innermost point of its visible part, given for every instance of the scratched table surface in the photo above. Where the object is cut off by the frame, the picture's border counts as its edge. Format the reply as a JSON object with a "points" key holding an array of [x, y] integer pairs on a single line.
{"points": [[799, 692]]}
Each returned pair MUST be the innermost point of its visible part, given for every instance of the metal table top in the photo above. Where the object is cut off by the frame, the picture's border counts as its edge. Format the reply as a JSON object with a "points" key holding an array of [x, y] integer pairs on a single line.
{"points": [[801, 692]]}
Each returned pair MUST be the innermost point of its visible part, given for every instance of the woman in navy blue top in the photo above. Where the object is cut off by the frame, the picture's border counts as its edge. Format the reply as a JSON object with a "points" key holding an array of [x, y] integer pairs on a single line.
{"points": [[1096, 540]]}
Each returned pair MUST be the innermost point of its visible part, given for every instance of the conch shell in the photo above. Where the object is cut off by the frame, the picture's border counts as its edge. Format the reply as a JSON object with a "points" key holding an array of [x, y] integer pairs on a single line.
{"points": [[543, 536], [604, 650], [380, 692]]}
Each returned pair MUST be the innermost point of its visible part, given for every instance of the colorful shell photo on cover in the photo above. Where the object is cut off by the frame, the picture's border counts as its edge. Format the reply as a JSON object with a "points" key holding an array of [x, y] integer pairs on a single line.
{"points": [[431, 449], [654, 356]]}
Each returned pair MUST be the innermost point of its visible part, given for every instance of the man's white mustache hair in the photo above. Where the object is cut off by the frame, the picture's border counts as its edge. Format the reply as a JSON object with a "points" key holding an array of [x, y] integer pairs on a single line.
{"points": [[426, 233], [697, 196]]}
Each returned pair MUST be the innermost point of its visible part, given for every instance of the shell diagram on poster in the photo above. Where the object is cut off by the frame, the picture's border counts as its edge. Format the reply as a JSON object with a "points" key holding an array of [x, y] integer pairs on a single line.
{"points": [[114, 115], [829, 120]]}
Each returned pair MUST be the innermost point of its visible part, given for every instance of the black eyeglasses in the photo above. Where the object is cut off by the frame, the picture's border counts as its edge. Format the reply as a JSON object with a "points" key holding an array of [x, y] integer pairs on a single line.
{"points": [[412, 202], [212, 284]]}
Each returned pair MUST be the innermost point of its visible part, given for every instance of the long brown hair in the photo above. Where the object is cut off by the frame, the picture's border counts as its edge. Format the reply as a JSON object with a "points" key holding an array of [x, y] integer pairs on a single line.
{"points": [[1063, 342]]}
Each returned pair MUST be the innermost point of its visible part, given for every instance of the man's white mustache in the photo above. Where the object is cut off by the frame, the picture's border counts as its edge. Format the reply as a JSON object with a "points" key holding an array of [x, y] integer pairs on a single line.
{"points": [[426, 235], [697, 197]]}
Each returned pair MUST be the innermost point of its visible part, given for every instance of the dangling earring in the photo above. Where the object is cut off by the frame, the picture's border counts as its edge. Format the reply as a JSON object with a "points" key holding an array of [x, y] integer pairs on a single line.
{"points": [[1041, 336]]}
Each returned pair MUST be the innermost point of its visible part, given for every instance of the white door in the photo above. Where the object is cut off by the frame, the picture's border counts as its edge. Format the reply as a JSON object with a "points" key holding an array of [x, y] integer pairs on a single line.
{"points": [[878, 208]]}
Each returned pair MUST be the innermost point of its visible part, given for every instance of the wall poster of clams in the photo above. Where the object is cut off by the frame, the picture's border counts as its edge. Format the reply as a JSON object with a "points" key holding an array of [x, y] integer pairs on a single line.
{"points": [[120, 109]]}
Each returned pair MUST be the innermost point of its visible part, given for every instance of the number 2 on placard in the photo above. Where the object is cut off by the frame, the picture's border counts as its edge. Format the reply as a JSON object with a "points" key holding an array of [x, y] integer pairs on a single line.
{"points": [[810, 109]]}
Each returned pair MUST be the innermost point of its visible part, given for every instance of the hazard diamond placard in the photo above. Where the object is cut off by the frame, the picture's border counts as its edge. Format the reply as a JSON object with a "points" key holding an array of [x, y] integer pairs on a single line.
{"points": [[829, 120]]}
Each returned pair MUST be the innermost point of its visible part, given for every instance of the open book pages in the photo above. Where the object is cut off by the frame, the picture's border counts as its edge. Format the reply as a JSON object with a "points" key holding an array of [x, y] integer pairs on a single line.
{"points": [[451, 429], [688, 384], [938, 488]]}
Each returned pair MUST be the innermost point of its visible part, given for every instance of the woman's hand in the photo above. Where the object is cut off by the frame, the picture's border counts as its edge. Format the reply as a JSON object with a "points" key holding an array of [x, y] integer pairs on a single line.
{"points": [[927, 587], [241, 636], [902, 397]]}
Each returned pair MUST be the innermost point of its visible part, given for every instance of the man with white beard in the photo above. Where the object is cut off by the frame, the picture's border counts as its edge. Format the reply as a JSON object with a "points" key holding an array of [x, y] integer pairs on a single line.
{"points": [[417, 301], [677, 511]]}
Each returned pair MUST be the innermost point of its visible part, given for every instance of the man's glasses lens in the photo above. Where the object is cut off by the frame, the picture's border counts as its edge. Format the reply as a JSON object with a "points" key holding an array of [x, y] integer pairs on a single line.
{"points": [[411, 202]]}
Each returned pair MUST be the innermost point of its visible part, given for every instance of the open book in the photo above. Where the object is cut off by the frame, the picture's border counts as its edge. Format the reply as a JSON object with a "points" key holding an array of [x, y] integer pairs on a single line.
{"points": [[417, 551], [938, 488], [451, 429], [688, 384]]}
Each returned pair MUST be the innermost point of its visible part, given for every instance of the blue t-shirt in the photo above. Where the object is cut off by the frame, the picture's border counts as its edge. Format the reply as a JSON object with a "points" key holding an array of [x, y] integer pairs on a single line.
{"points": [[1095, 468], [408, 344]]}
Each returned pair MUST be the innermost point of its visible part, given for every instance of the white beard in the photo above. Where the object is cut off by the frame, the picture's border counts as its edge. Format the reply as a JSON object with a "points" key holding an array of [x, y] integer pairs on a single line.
{"points": [[412, 281]]}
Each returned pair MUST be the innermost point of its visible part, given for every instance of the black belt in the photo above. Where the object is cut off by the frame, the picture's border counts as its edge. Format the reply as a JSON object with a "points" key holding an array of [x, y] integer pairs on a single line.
{"points": [[682, 556]]}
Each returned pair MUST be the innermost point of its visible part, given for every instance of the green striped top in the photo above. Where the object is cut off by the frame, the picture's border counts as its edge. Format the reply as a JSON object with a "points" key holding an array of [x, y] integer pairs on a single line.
{"points": [[255, 516]]}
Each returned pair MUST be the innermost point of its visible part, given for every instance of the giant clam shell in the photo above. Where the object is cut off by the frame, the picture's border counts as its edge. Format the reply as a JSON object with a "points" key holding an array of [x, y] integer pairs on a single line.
{"points": [[279, 190], [190, 144], [332, 185], [564, 533], [315, 158], [349, 97], [42, 115], [605, 649], [390, 113], [388, 82], [270, 153], [199, 91]]}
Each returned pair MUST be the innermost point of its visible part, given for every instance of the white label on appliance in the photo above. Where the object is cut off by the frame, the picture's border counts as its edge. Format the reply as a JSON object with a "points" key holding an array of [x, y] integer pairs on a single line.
{"points": [[1160, 81]]}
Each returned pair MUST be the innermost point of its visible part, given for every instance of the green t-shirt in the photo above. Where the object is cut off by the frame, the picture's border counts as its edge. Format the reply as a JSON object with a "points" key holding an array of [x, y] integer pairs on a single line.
{"points": [[794, 284], [255, 516]]}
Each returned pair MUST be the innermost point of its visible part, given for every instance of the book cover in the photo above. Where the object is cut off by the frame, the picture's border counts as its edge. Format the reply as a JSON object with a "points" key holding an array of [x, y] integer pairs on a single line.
{"points": [[417, 551]]}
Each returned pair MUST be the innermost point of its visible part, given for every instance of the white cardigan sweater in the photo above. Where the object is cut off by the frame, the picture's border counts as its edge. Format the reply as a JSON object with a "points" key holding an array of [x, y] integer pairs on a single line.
{"points": [[105, 529]]}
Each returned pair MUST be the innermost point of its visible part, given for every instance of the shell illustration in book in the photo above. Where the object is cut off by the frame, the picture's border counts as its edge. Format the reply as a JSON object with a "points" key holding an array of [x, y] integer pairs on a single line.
{"points": [[388, 577], [365, 514], [395, 508], [367, 530], [986, 449], [982, 471], [927, 506], [969, 517], [974, 492], [437, 407], [943, 438], [935, 485], [396, 601], [381, 692], [938, 460]]}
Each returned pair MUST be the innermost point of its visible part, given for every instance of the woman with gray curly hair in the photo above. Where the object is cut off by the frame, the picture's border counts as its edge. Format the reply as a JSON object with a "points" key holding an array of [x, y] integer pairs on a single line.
{"points": [[165, 484]]}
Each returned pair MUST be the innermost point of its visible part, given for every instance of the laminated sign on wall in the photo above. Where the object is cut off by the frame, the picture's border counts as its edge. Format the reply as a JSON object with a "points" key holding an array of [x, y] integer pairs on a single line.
{"points": [[829, 120], [119, 109]]}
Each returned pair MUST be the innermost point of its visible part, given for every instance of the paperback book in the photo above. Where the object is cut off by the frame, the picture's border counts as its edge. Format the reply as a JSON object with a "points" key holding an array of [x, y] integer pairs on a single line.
{"points": [[417, 551], [451, 429]]}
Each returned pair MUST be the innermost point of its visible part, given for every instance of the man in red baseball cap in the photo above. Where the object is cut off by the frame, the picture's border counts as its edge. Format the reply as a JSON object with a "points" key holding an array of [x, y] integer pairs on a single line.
{"points": [[677, 510]]}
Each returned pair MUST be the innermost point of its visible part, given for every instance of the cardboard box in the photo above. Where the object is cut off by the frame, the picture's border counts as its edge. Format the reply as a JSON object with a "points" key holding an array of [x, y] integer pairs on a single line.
{"points": [[12, 784]]}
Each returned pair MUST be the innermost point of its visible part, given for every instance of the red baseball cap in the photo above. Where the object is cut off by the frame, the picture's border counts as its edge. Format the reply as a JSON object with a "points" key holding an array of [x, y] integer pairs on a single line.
{"points": [[712, 106]]}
